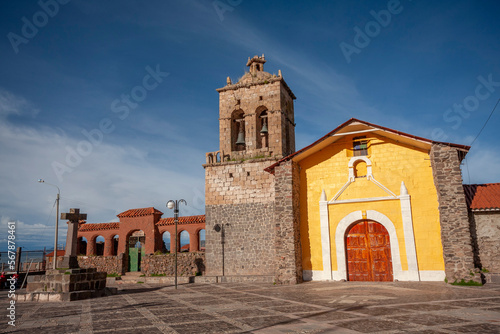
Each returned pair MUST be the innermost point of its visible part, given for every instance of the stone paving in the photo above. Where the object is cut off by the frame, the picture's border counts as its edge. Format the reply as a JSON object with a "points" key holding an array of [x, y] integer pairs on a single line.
{"points": [[315, 307]]}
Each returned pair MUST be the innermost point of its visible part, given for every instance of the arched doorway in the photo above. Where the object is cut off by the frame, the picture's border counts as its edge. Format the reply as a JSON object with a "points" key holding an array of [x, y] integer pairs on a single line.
{"points": [[136, 250], [368, 252]]}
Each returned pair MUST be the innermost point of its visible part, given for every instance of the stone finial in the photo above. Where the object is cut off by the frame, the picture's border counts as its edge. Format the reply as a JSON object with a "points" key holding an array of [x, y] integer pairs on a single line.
{"points": [[279, 74], [229, 81], [403, 191], [323, 196]]}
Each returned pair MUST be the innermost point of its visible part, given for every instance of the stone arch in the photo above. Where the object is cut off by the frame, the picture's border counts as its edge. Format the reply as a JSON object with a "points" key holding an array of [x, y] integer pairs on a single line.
{"points": [[166, 242], [201, 239], [115, 240], [261, 119], [348, 221], [237, 126], [184, 246], [209, 158], [82, 246], [100, 243], [135, 242]]}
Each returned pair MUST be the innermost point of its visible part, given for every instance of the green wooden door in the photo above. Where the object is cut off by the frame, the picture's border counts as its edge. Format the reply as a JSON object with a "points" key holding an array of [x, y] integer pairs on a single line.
{"points": [[133, 259]]}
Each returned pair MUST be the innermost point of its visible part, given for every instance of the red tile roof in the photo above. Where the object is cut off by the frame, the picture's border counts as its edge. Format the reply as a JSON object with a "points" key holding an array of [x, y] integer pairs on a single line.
{"points": [[483, 197], [99, 227], [139, 212], [182, 220], [270, 169]]}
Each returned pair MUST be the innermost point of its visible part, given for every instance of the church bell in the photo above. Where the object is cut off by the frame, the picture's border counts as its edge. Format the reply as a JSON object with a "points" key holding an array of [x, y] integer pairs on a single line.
{"points": [[241, 136], [264, 128]]}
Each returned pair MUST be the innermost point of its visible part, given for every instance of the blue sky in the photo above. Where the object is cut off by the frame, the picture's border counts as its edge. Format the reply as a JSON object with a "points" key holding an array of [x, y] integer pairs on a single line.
{"points": [[66, 70]]}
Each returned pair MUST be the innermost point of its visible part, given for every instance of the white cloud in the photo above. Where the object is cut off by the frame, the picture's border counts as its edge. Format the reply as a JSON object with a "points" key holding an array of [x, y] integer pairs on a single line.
{"points": [[11, 104]]}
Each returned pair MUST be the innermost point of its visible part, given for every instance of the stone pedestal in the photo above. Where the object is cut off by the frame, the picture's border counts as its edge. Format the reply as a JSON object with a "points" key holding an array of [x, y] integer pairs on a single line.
{"points": [[66, 285]]}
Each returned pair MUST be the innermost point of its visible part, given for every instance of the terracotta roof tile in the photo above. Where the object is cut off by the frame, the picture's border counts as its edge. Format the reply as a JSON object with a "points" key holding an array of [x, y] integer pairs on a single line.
{"points": [[483, 197], [139, 212], [182, 220], [99, 227]]}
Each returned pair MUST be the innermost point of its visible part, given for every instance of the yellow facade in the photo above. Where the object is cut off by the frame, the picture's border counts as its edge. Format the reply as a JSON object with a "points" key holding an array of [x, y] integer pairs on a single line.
{"points": [[391, 162]]}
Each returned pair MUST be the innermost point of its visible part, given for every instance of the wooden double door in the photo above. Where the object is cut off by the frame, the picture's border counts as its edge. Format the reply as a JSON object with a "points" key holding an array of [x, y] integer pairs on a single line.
{"points": [[368, 252]]}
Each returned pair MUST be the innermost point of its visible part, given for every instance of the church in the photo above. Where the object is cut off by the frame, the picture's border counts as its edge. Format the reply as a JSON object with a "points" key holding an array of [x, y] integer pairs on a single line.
{"points": [[362, 203]]}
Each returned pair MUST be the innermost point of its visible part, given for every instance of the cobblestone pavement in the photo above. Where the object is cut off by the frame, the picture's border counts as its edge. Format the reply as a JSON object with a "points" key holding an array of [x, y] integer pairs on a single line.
{"points": [[315, 307]]}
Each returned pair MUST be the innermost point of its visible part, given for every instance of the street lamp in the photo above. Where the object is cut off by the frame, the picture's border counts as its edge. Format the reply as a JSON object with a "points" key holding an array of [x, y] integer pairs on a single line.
{"points": [[57, 219], [175, 205]]}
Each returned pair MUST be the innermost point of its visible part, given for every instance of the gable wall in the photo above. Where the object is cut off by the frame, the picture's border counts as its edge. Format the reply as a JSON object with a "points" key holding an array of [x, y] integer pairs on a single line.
{"points": [[392, 162]]}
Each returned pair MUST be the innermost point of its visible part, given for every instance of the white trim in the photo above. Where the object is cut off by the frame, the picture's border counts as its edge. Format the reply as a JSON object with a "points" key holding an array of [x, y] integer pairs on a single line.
{"points": [[432, 275], [341, 230], [325, 239], [369, 199], [315, 275], [411, 251]]}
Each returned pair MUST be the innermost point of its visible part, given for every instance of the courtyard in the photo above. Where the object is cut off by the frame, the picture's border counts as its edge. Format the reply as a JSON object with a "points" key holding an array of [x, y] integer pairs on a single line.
{"points": [[314, 307]]}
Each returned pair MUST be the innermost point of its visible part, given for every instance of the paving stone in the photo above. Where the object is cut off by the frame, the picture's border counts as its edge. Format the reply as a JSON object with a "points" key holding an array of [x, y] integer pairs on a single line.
{"points": [[296, 309], [185, 317], [377, 310], [136, 330], [207, 327], [428, 319], [118, 314], [171, 311], [258, 322], [372, 325], [468, 303], [243, 313], [428, 307], [328, 316], [122, 323], [477, 328]]}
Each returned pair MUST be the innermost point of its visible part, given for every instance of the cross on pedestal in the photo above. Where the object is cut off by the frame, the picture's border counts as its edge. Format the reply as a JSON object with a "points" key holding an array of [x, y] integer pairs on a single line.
{"points": [[70, 259]]}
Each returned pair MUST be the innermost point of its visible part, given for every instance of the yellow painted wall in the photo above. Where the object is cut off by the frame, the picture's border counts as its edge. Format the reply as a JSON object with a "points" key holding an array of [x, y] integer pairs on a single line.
{"points": [[392, 162]]}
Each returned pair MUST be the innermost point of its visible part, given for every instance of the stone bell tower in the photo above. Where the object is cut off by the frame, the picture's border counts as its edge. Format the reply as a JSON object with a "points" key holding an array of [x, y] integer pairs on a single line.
{"points": [[256, 128]]}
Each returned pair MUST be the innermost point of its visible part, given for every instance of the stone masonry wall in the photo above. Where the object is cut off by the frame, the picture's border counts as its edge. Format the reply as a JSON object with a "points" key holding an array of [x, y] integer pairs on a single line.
{"points": [[249, 241], [239, 182], [108, 264], [487, 231], [455, 230], [287, 220], [188, 264]]}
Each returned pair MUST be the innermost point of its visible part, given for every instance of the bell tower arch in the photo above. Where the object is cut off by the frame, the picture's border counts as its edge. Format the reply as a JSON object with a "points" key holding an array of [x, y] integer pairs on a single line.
{"points": [[256, 115]]}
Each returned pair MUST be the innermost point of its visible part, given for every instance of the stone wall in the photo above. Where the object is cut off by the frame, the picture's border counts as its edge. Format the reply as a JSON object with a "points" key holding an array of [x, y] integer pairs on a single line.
{"points": [[239, 182], [249, 239], [287, 242], [486, 229], [188, 264], [455, 230], [108, 264]]}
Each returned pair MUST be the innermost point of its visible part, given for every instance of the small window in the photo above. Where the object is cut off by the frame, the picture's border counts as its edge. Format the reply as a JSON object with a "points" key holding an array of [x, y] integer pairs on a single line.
{"points": [[360, 146]]}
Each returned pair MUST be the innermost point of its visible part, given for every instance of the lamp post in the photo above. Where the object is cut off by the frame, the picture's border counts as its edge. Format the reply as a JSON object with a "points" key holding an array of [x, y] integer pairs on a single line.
{"points": [[175, 205], [57, 219]]}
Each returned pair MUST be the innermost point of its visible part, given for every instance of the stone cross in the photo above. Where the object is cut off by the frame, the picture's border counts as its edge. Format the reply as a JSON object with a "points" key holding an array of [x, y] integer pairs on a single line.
{"points": [[74, 216]]}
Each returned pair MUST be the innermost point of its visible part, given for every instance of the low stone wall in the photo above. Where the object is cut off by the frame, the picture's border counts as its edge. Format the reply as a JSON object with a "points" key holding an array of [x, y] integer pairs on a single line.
{"points": [[188, 264], [486, 226], [108, 264]]}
